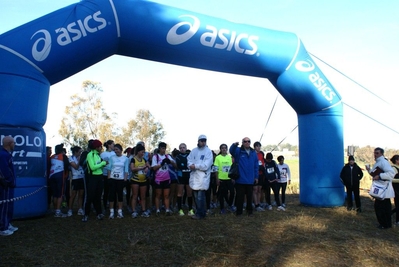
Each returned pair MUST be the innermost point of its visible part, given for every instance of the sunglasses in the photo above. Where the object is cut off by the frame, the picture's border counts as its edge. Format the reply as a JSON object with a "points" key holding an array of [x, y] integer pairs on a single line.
{"points": [[202, 140], [246, 141]]}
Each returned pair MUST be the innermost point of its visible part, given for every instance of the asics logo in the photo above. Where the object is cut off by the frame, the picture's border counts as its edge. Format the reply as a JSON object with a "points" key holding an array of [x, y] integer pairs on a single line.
{"points": [[223, 39], [73, 32], [316, 79]]}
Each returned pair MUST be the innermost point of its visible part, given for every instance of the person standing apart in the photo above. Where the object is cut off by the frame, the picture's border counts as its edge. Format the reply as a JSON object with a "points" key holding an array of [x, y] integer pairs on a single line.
{"points": [[200, 161], [285, 178], [95, 182], [351, 174], [7, 185], [248, 165], [382, 207]]}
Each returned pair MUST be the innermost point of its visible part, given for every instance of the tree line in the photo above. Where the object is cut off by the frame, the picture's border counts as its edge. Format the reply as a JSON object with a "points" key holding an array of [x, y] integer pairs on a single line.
{"points": [[86, 118]]}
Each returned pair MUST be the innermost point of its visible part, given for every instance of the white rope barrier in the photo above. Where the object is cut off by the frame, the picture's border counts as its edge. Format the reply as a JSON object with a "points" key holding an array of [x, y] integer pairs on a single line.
{"points": [[22, 197]]}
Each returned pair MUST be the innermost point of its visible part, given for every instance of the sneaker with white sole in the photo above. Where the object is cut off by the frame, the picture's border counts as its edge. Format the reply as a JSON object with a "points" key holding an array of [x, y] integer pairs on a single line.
{"points": [[81, 212], [100, 216], [283, 205], [70, 213], [181, 213], [168, 212], [145, 214], [60, 215], [12, 228], [233, 208], [111, 214], [85, 218], [135, 214], [6, 232], [191, 212], [270, 207], [158, 212], [120, 214], [259, 208], [280, 208]]}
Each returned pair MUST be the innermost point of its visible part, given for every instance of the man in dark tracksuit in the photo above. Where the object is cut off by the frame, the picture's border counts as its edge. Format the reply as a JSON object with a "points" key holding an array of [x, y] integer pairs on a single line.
{"points": [[351, 174]]}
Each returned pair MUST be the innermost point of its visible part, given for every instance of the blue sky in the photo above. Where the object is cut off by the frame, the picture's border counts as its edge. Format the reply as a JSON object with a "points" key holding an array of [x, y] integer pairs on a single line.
{"points": [[359, 38]]}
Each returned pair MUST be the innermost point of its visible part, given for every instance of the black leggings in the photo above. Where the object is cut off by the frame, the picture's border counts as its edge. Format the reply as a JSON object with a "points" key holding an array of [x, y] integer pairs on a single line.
{"points": [[94, 187], [226, 187], [276, 190]]}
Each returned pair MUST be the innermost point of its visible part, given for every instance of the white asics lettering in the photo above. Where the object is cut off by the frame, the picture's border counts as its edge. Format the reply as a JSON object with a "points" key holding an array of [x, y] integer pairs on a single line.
{"points": [[223, 39], [65, 35], [317, 81]]}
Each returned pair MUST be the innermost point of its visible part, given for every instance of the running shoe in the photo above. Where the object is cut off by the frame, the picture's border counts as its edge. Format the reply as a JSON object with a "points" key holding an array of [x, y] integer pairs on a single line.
{"points": [[259, 209], [100, 216], [111, 214], [232, 209], [81, 212], [135, 214], [280, 208], [181, 213], [70, 213], [12, 228], [85, 218], [168, 212], [145, 214], [191, 212], [6, 232], [60, 215], [120, 214]]}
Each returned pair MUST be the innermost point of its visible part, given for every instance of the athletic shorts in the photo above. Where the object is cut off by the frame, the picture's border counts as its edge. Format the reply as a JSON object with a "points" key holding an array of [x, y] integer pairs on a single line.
{"points": [[162, 185], [184, 180], [57, 184], [261, 181], [132, 182], [77, 184]]}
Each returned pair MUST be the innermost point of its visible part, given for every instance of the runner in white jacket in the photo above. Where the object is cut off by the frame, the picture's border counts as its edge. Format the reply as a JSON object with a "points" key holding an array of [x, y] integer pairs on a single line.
{"points": [[200, 161]]}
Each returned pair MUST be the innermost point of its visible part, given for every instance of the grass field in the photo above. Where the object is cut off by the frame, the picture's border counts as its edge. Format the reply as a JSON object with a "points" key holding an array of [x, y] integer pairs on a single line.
{"points": [[301, 236]]}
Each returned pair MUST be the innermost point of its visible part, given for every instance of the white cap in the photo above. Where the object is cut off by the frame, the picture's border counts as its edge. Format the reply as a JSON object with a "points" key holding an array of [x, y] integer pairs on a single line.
{"points": [[202, 136]]}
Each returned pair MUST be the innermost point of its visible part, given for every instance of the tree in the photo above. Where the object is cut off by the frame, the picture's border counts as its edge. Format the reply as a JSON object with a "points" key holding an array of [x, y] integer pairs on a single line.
{"points": [[86, 118], [143, 128]]}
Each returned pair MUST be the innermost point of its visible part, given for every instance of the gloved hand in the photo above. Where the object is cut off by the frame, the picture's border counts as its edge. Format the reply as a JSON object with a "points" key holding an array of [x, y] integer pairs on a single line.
{"points": [[165, 161]]}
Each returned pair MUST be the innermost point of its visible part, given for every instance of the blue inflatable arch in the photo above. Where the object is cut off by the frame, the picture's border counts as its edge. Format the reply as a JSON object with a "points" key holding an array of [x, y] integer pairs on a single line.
{"points": [[60, 44]]}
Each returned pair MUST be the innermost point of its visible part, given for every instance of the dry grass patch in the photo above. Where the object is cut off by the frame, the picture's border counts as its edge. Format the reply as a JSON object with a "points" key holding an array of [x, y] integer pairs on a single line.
{"points": [[301, 236]]}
